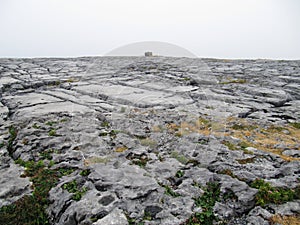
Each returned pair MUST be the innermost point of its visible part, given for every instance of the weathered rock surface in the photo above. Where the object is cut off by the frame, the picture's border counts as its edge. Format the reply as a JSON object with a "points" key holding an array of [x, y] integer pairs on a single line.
{"points": [[152, 134]]}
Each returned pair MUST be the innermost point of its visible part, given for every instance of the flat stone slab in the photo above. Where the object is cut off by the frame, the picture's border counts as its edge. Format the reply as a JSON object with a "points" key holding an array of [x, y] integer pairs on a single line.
{"points": [[134, 96], [44, 109]]}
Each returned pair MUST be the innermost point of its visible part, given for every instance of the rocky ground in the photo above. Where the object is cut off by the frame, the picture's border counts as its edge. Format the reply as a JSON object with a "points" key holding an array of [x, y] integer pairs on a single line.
{"points": [[149, 140]]}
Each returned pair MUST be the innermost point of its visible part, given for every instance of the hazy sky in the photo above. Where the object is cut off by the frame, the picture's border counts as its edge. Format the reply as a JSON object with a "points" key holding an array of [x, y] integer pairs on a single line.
{"points": [[208, 28]]}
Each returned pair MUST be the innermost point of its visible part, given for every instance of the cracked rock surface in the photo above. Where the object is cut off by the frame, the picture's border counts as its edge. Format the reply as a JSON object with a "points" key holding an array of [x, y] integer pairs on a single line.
{"points": [[144, 138]]}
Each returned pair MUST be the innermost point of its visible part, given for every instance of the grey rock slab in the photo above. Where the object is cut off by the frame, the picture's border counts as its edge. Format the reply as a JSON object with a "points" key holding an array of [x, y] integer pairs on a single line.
{"points": [[3, 111], [7, 80], [293, 153], [134, 96], [116, 217], [57, 107], [129, 181], [12, 186], [30, 99], [289, 208], [245, 194]]}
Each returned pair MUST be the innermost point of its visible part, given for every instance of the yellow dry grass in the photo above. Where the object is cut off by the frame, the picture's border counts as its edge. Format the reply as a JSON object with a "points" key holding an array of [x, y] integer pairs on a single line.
{"points": [[285, 220]]}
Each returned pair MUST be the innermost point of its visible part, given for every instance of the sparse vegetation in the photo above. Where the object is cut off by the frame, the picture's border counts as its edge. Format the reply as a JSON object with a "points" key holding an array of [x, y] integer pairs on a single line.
{"points": [[46, 154], [73, 187], [105, 124], [277, 195], [230, 145], [285, 220], [30, 209], [12, 136], [51, 123], [85, 172], [148, 142], [52, 133], [2, 144], [179, 174], [234, 81], [295, 125], [95, 159], [179, 157], [36, 126], [121, 149], [246, 160], [169, 191], [206, 202]]}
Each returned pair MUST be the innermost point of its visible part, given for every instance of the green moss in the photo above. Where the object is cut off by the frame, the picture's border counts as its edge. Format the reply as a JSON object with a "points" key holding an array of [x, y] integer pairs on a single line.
{"points": [[277, 195]]}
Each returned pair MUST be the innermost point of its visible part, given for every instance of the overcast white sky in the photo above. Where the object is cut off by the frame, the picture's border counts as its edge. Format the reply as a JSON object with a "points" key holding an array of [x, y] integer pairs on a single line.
{"points": [[208, 28]]}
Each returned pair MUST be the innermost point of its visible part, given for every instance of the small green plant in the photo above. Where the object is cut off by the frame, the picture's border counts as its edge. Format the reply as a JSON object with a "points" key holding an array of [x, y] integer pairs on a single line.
{"points": [[72, 187], [63, 120], [277, 195], [105, 124], [140, 162], [13, 132], [51, 163], [207, 201], [36, 126], [65, 171], [133, 221], [296, 125], [2, 144], [179, 174], [147, 216], [51, 123], [169, 191], [85, 172], [46, 154], [52, 133]]}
